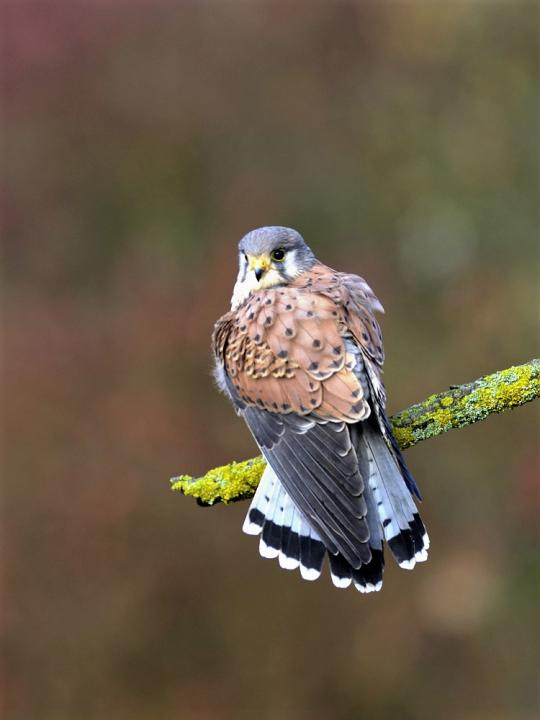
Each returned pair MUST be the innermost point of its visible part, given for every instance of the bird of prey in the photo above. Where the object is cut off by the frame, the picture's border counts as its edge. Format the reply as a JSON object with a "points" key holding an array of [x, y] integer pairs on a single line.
{"points": [[300, 356]]}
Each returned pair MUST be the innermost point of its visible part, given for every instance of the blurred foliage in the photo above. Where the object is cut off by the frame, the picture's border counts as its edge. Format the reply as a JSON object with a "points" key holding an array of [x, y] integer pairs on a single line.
{"points": [[140, 142]]}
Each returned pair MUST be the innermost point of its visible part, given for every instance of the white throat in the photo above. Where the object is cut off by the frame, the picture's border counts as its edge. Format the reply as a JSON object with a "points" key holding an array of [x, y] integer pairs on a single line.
{"points": [[243, 288], [247, 283]]}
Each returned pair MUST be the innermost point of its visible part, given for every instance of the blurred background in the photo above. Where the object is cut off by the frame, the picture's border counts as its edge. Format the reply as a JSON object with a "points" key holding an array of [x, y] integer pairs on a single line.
{"points": [[140, 142]]}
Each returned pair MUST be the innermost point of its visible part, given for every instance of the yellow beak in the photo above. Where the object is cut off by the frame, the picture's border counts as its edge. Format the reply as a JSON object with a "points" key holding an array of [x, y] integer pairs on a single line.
{"points": [[259, 265]]}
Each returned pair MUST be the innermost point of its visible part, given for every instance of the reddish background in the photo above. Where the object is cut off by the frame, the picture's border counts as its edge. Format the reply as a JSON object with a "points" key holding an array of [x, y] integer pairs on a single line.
{"points": [[140, 142]]}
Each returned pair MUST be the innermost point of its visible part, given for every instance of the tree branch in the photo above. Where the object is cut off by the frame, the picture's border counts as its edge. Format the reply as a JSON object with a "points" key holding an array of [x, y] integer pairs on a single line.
{"points": [[459, 406]]}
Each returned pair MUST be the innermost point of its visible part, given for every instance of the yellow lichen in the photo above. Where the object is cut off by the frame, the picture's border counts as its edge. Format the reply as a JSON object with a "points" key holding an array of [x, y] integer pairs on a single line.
{"points": [[404, 436], [226, 483], [442, 418]]}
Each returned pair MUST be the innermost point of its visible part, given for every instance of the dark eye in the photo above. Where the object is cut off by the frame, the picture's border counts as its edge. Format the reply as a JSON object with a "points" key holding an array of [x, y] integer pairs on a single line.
{"points": [[278, 255]]}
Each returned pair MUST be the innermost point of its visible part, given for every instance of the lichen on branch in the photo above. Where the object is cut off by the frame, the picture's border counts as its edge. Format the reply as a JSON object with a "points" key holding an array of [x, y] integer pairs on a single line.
{"points": [[463, 405], [228, 483], [457, 407]]}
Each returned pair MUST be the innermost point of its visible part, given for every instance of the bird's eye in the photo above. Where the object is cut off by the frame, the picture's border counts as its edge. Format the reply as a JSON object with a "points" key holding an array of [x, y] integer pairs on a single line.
{"points": [[278, 255]]}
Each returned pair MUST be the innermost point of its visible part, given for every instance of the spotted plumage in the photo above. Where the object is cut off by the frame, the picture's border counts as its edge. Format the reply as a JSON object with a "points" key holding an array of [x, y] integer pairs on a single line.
{"points": [[300, 355]]}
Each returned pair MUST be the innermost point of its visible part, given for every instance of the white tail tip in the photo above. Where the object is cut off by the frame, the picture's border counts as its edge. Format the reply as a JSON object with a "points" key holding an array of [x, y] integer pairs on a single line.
{"points": [[266, 551]]}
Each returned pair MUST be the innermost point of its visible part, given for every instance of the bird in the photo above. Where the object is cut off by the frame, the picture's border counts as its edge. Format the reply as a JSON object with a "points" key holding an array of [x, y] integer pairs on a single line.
{"points": [[300, 357]]}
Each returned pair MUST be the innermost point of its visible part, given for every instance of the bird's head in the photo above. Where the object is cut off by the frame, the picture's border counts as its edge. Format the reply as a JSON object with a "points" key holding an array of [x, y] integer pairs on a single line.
{"points": [[267, 257]]}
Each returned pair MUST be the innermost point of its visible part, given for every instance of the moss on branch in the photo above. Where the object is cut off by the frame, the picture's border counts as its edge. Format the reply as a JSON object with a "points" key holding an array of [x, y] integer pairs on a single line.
{"points": [[457, 407]]}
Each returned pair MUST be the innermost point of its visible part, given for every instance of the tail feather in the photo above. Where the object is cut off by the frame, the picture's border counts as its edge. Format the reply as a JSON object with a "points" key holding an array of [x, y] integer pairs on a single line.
{"points": [[403, 528], [258, 510], [312, 552], [340, 570], [270, 541], [391, 515], [285, 533], [369, 577], [289, 556], [289, 552]]}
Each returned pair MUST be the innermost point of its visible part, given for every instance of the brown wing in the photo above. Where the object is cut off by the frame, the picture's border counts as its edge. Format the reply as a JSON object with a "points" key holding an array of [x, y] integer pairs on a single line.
{"points": [[284, 351], [359, 304], [357, 301]]}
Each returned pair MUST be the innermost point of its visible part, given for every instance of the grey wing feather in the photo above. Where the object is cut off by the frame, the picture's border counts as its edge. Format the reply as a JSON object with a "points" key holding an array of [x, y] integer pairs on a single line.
{"points": [[330, 496]]}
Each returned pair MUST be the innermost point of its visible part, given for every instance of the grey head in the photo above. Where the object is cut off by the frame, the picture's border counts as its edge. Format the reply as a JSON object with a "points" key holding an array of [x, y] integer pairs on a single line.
{"points": [[281, 247], [270, 256]]}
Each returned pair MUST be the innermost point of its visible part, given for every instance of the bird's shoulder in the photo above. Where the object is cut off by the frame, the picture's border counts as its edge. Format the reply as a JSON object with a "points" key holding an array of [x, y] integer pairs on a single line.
{"points": [[357, 302]]}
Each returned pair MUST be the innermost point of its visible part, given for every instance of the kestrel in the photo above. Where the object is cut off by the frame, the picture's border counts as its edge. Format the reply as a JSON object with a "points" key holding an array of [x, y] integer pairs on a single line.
{"points": [[300, 356]]}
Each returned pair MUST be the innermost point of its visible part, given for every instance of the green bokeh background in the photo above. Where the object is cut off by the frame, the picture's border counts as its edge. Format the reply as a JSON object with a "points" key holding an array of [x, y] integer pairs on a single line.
{"points": [[140, 141]]}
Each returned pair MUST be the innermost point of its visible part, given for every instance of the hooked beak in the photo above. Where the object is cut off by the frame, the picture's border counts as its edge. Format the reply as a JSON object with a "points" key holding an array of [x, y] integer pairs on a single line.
{"points": [[259, 265]]}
